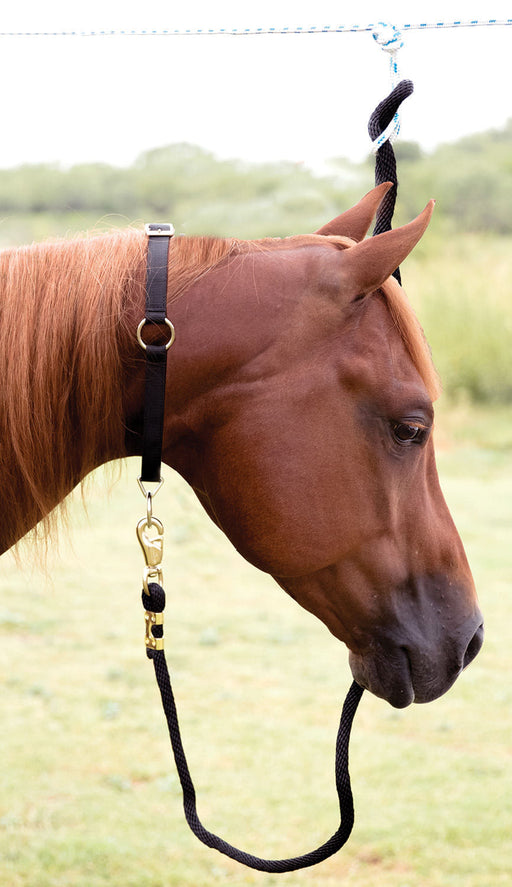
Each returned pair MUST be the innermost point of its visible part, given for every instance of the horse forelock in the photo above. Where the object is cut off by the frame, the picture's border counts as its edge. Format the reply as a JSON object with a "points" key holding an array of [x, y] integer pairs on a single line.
{"points": [[413, 337]]}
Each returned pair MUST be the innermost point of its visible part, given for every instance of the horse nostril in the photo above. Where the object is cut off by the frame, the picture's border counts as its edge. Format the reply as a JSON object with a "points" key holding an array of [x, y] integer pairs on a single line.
{"points": [[474, 646]]}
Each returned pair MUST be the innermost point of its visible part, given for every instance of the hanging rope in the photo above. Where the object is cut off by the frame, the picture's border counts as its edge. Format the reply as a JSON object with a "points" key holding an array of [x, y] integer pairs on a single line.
{"points": [[385, 161], [384, 127], [154, 603]]}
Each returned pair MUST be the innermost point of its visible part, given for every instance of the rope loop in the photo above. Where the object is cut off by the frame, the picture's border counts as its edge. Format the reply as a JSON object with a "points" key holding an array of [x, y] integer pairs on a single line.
{"points": [[389, 38]]}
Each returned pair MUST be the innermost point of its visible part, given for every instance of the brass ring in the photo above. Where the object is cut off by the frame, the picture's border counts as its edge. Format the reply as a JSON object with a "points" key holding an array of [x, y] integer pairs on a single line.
{"points": [[167, 323]]}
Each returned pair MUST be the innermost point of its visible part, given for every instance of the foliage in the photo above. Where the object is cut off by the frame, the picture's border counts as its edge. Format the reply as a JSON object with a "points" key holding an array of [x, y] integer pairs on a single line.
{"points": [[188, 184], [471, 178], [460, 287]]}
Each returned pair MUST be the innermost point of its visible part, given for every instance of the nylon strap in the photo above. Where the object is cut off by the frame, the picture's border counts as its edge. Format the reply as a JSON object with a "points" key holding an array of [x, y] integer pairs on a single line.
{"points": [[159, 236], [155, 602]]}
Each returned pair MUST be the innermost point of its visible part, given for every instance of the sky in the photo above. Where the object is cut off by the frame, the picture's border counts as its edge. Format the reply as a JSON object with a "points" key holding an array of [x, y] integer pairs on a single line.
{"points": [[304, 98]]}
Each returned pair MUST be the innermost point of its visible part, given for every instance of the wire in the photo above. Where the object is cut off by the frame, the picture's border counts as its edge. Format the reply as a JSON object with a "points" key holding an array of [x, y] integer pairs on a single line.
{"points": [[252, 32]]}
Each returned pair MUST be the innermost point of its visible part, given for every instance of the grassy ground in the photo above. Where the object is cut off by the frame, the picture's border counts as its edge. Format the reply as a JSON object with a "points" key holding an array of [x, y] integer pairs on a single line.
{"points": [[88, 794]]}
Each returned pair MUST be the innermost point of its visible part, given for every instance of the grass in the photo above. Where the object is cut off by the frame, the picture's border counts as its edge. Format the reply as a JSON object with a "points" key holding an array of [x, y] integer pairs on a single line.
{"points": [[88, 793]]}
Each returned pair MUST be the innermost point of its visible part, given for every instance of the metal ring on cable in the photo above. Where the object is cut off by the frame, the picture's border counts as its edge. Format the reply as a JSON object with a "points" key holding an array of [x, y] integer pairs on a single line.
{"points": [[167, 323]]}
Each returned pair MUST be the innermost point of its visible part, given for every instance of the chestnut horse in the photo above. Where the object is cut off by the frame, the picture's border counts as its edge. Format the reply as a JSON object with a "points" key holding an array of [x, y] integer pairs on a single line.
{"points": [[298, 408]]}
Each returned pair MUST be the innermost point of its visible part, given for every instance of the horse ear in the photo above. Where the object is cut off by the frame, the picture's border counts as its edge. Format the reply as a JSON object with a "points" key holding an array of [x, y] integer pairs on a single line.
{"points": [[354, 223], [368, 264]]}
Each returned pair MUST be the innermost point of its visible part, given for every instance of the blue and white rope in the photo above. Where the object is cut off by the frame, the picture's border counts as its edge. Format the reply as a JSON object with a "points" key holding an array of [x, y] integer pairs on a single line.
{"points": [[251, 32], [389, 38]]}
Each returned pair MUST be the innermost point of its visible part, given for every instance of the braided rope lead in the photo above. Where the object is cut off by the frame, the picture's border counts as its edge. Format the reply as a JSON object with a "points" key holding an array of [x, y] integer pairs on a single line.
{"points": [[155, 601], [385, 162]]}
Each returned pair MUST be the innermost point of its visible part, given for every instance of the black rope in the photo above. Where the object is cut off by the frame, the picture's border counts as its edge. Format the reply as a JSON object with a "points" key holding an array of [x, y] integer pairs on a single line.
{"points": [[155, 602], [385, 162]]}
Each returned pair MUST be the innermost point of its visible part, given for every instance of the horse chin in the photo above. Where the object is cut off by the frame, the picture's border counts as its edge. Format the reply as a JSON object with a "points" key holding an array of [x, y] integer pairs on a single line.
{"points": [[389, 680], [401, 676]]}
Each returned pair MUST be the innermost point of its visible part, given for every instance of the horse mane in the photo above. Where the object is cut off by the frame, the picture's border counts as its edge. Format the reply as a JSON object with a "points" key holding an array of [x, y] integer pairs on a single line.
{"points": [[65, 310], [65, 307], [412, 334]]}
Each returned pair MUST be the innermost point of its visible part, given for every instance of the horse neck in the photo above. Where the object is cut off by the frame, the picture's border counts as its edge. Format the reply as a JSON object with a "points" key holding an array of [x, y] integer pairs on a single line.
{"points": [[62, 334]]}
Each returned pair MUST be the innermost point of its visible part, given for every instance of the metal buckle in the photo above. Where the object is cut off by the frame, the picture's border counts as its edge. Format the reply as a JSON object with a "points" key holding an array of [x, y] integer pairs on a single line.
{"points": [[159, 229]]}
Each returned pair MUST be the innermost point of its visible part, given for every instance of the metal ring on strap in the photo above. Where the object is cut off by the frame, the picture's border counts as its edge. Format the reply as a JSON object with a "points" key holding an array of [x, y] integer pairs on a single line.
{"points": [[141, 327]]}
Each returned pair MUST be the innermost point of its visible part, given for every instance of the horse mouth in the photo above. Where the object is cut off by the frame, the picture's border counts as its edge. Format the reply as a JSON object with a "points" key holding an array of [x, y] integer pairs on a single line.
{"points": [[402, 676], [389, 680]]}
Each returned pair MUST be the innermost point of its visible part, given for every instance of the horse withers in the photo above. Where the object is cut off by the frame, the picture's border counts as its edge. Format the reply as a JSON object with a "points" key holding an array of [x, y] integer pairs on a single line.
{"points": [[298, 407]]}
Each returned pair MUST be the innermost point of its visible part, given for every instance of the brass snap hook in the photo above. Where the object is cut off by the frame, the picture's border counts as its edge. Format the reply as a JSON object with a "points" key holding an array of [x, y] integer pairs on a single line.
{"points": [[151, 540]]}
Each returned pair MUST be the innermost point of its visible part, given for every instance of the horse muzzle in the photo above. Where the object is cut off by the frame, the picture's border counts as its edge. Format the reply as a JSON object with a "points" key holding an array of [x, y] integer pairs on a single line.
{"points": [[417, 672]]}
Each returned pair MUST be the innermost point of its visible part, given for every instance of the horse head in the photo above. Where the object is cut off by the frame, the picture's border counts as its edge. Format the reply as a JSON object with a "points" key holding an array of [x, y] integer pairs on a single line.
{"points": [[301, 414], [298, 407]]}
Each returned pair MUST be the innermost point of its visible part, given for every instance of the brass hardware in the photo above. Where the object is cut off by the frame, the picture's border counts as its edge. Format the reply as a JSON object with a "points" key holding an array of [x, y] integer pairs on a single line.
{"points": [[150, 533], [149, 499], [172, 333], [145, 492], [152, 619]]}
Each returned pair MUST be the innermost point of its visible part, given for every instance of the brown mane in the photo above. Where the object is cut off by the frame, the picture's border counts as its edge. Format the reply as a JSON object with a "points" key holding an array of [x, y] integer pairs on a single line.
{"points": [[63, 311], [63, 317], [412, 334]]}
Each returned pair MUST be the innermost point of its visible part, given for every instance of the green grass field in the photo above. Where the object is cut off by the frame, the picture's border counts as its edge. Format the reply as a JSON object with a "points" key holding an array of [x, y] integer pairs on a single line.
{"points": [[89, 796]]}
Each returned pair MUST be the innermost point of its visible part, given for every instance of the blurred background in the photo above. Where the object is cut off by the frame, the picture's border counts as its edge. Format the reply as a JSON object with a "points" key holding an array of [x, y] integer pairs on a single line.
{"points": [[249, 137]]}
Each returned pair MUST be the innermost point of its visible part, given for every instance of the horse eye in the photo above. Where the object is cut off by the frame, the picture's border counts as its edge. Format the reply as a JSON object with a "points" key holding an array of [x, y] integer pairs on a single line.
{"points": [[405, 433]]}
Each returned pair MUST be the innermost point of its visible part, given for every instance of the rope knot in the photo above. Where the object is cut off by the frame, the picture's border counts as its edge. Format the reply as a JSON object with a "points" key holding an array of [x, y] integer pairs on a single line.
{"points": [[388, 37]]}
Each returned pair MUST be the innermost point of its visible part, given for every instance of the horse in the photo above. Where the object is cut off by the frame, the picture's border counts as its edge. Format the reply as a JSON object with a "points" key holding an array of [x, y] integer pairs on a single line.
{"points": [[299, 408]]}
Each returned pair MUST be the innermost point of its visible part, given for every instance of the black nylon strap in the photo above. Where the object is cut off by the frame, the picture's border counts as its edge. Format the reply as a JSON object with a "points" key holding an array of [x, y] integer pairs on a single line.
{"points": [[155, 601], [156, 274], [156, 355], [154, 404]]}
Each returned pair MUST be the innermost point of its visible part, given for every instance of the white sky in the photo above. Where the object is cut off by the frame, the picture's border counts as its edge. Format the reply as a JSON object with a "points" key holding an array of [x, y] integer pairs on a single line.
{"points": [[300, 98]]}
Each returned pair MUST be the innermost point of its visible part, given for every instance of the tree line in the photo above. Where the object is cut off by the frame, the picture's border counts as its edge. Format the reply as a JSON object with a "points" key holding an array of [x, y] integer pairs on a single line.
{"points": [[471, 178]]}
